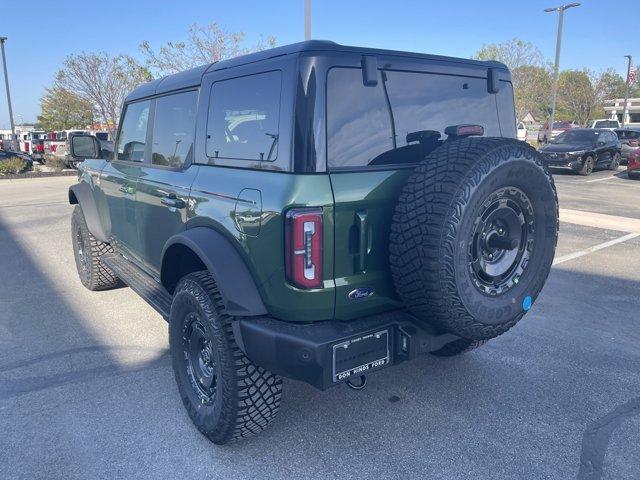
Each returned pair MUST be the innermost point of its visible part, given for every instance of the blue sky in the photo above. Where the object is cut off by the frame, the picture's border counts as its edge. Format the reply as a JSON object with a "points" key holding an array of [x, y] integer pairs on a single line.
{"points": [[596, 35]]}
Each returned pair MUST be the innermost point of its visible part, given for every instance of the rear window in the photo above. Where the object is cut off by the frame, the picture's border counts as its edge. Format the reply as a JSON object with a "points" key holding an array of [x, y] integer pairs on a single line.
{"points": [[244, 118], [402, 118], [606, 124]]}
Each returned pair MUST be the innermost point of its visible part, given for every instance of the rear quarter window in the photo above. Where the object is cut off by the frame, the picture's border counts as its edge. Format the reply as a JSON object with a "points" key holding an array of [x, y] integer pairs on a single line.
{"points": [[403, 117], [243, 118]]}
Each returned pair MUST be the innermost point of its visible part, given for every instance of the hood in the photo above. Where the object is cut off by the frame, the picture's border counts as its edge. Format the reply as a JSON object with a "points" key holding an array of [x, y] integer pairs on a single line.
{"points": [[564, 147]]}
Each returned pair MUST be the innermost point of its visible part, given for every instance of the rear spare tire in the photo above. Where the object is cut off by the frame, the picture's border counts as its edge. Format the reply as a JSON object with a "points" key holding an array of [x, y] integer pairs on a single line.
{"points": [[473, 236]]}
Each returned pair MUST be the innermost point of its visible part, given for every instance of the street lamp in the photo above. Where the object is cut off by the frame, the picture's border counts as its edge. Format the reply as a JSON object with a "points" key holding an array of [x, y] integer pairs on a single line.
{"points": [[626, 90], [14, 144], [556, 67]]}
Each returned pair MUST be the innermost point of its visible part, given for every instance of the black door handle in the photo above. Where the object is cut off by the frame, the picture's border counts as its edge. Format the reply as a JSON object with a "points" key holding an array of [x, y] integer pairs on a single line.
{"points": [[172, 201]]}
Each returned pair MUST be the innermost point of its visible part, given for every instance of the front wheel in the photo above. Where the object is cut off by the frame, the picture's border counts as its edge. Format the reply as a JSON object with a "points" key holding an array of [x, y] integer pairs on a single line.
{"points": [[226, 395], [587, 166], [88, 252]]}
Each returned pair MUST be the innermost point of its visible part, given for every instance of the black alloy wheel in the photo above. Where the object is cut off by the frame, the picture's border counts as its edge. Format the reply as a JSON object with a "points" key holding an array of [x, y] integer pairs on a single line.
{"points": [[200, 363], [502, 241]]}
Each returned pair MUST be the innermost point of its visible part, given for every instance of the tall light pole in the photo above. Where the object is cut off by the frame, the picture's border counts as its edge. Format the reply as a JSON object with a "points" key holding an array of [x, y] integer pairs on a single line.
{"points": [[626, 90], [6, 83], [307, 19], [556, 67]]}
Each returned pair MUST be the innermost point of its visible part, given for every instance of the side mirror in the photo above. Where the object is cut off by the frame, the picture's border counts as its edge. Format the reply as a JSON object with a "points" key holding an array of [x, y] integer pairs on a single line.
{"points": [[85, 146]]}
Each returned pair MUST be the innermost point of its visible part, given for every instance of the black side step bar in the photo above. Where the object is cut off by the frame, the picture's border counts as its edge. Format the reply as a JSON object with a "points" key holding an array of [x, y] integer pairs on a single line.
{"points": [[140, 282]]}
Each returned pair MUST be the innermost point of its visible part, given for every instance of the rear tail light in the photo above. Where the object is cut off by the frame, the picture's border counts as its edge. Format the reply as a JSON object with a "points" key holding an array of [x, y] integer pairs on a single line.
{"points": [[303, 247]]}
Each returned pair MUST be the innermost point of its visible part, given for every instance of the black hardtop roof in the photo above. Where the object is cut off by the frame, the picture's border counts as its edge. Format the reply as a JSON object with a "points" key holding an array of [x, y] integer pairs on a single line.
{"points": [[192, 77]]}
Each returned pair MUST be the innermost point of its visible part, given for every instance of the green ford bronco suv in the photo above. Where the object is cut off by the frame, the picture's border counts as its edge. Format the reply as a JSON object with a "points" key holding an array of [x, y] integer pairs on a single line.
{"points": [[316, 212]]}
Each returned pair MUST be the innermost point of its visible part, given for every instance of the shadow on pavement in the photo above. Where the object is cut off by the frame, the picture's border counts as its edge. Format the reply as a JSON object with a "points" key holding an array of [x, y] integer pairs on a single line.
{"points": [[516, 408]]}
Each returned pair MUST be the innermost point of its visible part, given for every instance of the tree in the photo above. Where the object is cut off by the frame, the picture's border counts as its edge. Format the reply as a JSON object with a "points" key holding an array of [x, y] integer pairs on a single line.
{"points": [[206, 44], [530, 75], [513, 53], [103, 80], [64, 110], [532, 87], [609, 84], [577, 94]]}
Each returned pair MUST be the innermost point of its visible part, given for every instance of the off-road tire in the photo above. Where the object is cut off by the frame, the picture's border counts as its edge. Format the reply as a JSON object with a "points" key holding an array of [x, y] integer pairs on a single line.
{"points": [[458, 347], [247, 397], [87, 251], [432, 227], [587, 166]]}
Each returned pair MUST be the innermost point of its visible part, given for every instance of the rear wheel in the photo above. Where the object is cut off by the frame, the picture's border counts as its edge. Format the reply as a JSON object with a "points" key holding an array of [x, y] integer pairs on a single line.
{"points": [[633, 175], [226, 396], [473, 236], [87, 251], [615, 162], [587, 166]]}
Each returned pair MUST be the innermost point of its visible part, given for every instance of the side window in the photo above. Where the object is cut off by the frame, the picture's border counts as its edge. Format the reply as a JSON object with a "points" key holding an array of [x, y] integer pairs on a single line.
{"points": [[244, 117], [173, 129], [133, 132]]}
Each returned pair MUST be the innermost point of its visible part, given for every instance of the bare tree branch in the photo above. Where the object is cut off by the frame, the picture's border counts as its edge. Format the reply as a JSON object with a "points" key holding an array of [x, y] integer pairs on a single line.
{"points": [[205, 44], [103, 80]]}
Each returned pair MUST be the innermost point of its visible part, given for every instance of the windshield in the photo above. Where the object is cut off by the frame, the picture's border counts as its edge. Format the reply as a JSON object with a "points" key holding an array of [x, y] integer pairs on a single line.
{"points": [[578, 136], [606, 124], [561, 124]]}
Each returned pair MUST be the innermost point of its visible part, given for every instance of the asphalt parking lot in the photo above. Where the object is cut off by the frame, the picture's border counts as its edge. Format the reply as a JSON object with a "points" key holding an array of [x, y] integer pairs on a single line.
{"points": [[87, 390]]}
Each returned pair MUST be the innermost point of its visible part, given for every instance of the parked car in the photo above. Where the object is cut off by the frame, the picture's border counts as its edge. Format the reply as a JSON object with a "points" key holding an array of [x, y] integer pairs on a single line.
{"points": [[629, 142], [522, 132], [333, 211], [558, 128], [608, 123], [7, 154], [57, 144], [583, 150], [633, 165]]}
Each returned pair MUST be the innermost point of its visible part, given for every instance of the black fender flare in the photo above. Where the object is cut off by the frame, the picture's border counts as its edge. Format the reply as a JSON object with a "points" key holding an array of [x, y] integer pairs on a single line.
{"points": [[81, 194], [239, 292]]}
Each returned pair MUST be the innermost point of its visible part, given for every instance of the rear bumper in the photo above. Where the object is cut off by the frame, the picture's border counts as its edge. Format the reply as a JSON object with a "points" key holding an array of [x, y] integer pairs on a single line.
{"points": [[306, 352]]}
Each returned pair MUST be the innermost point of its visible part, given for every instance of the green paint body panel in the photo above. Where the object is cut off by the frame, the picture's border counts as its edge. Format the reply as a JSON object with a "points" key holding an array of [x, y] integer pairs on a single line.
{"points": [[219, 196], [361, 252]]}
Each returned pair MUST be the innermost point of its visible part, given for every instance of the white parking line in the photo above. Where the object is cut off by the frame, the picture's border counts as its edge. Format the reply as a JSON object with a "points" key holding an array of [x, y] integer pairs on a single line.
{"points": [[600, 220], [600, 179], [595, 248]]}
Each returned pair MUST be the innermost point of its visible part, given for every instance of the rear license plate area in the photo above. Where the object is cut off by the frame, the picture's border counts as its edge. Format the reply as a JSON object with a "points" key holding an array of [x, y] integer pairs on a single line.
{"points": [[359, 355]]}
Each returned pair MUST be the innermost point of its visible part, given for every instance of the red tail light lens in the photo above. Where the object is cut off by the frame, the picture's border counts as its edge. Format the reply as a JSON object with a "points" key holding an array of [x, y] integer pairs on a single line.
{"points": [[303, 247]]}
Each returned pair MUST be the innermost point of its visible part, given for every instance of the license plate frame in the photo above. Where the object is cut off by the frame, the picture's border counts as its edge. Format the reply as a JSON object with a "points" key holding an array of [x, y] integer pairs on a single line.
{"points": [[370, 352]]}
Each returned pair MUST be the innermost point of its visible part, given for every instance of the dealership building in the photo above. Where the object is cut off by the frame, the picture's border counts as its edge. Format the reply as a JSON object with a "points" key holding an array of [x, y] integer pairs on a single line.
{"points": [[614, 108]]}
